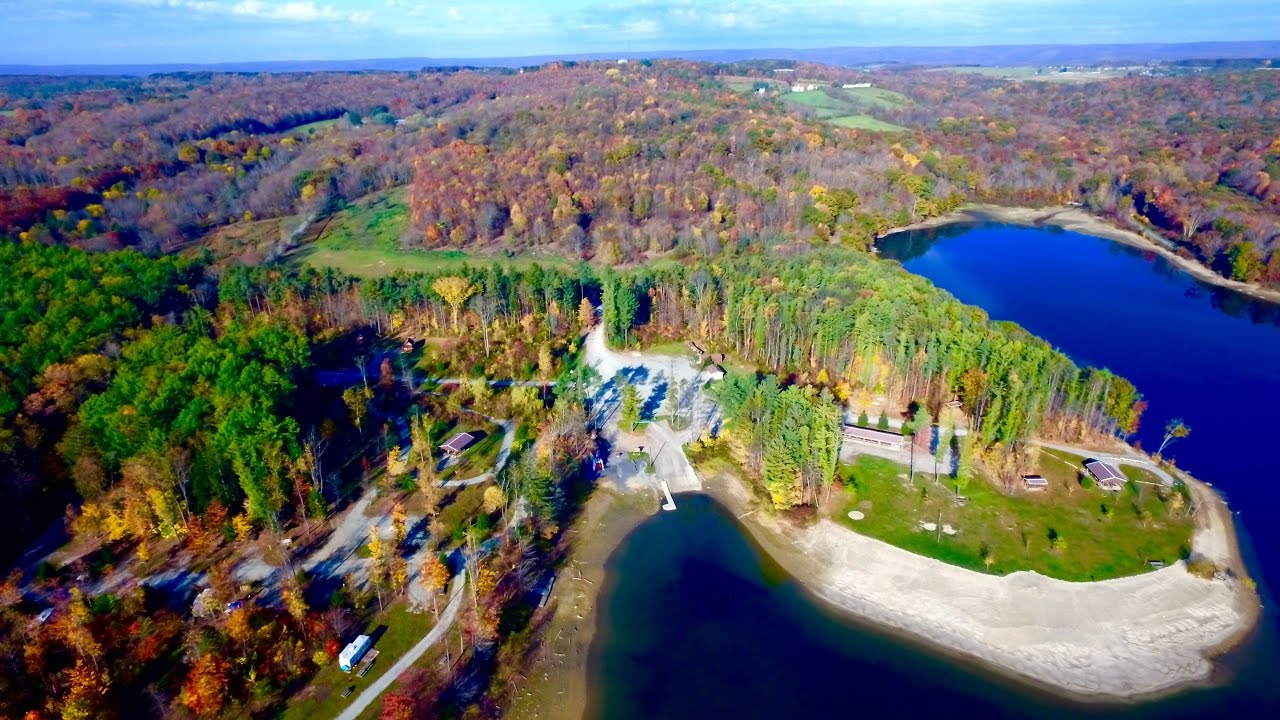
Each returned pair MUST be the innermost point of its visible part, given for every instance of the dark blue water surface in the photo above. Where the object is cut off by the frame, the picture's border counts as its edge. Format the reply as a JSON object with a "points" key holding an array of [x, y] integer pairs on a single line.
{"points": [[696, 622]]}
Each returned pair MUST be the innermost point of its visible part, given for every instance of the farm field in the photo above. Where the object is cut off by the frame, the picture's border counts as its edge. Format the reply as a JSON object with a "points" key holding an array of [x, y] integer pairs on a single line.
{"points": [[865, 122], [849, 107]]}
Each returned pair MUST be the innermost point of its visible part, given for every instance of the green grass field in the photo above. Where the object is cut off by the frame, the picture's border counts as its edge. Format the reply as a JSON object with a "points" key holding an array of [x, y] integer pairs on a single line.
{"points": [[364, 239], [825, 105], [848, 108], [865, 122], [1067, 532], [322, 698], [314, 127], [875, 97]]}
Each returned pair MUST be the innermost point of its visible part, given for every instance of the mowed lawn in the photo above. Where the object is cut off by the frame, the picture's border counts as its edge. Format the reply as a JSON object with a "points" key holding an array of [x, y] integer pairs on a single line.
{"points": [[1068, 531]]}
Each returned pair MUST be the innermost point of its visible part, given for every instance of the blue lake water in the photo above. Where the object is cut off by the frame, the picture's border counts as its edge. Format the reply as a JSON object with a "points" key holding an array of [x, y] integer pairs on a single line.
{"points": [[695, 622]]}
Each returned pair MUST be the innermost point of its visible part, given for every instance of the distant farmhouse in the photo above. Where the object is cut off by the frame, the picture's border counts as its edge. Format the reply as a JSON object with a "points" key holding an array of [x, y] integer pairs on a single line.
{"points": [[851, 86], [798, 87]]}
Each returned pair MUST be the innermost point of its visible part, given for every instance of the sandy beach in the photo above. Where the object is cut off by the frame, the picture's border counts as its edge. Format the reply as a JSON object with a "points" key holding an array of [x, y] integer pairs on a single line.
{"points": [[1077, 219], [1119, 640]]}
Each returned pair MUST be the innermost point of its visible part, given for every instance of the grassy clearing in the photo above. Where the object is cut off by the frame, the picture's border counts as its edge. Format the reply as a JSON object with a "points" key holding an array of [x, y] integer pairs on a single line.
{"points": [[322, 698], [847, 108], [314, 127], [825, 105], [865, 122], [248, 241], [875, 97], [375, 221], [1067, 532], [462, 505], [363, 239]]}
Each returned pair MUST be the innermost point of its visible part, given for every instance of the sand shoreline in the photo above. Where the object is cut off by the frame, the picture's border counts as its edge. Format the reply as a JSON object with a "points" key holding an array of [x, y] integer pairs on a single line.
{"points": [[1191, 621], [1077, 219], [1127, 640]]}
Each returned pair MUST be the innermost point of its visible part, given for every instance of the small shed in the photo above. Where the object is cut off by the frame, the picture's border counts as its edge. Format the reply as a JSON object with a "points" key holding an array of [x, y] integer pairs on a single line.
{"points": [[715, 372], [352, 653], [869, 436], [1108, 477], [1034, 483], [458, 443]]}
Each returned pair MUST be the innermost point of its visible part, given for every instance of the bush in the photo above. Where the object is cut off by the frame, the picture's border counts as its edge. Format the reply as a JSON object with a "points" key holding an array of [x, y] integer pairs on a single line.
{"points": [[1086, 482], [883, 422], [1202, 568], [863, 421]]}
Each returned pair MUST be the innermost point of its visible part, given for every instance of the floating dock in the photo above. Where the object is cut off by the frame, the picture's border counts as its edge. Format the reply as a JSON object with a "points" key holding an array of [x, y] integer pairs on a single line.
{"points": [[670, 504]]}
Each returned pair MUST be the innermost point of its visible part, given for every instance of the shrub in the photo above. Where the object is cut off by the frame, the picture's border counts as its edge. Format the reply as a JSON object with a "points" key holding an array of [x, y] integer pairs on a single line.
{"points": [[1202, 568], [863, 421]]}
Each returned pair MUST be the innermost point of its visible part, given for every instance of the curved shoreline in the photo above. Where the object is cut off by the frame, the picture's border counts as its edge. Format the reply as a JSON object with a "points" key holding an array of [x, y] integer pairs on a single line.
{"points": [[1132, 639], [1076, 219]]}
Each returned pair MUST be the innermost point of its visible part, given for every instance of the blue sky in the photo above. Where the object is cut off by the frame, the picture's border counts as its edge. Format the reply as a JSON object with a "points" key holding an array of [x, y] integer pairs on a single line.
{"points": [[148, 31]]}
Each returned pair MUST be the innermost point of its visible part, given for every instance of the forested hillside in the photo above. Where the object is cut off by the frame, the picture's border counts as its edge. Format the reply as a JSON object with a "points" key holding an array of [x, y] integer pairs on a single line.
{"points": [[613, 163]]}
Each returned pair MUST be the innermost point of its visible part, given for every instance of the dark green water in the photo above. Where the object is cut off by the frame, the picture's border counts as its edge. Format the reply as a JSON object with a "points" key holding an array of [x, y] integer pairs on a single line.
{"points": [[695, 622]]}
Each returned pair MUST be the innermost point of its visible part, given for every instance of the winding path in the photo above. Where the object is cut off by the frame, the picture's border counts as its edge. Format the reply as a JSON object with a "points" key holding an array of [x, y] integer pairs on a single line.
{"points": [[438, 631]]}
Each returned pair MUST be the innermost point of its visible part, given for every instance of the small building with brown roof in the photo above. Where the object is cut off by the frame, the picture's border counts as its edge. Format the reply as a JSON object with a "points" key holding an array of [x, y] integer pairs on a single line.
{"points": [[869, 436]]}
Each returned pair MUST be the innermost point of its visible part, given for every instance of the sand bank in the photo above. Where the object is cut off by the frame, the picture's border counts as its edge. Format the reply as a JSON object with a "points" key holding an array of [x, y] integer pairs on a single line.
{"points": [[1118, 640], [1078, 220]]}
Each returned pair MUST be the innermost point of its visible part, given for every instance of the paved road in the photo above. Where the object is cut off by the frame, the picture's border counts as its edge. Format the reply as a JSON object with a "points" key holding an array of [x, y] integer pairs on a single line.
{"points": [[437, 632], [654, 376], [1128, 456]]}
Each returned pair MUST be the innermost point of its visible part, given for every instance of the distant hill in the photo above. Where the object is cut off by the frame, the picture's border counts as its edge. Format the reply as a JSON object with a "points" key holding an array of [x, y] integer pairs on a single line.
{"points": [[976, 55]]}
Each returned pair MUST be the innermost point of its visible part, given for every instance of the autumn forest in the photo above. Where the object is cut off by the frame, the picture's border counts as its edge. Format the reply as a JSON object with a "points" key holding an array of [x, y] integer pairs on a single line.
{"points": [[175, 408]]}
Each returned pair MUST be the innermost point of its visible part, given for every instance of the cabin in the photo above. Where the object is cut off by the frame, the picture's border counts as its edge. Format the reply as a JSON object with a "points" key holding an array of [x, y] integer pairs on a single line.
{"points": [[352, 653], [715, 372], [870, 436], [458, 443], [407, 346], [1034, 483], [1107, 477]]}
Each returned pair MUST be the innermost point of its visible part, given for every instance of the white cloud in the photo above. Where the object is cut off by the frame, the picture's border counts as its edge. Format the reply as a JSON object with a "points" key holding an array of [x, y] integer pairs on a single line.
{"points": [[641, 27], [295, 11]]}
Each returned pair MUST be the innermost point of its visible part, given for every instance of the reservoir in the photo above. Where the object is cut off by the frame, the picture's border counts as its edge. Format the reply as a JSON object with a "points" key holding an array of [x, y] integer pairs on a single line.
{"points": [[696, 622]]}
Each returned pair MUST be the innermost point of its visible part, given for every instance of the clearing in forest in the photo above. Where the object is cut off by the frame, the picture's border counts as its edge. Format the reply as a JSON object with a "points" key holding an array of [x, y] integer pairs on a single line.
{"points": [[364, 239], [1070, 531]]}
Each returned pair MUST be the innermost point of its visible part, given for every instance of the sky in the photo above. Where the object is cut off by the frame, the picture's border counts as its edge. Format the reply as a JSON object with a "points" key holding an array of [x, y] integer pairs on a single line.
{"points": [[54, 32]]}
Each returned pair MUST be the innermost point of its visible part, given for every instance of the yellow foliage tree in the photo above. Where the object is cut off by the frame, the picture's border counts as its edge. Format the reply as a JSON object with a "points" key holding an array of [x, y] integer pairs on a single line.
{"points": [[86, 693], [242, 526], [586, 314], [494, 499], [455, 291], [399, 525]]}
